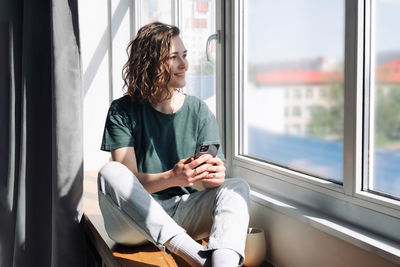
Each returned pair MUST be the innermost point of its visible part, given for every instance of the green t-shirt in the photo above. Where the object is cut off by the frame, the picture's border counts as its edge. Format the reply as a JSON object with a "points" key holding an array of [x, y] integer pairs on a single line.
{"points": [[160, 140]]}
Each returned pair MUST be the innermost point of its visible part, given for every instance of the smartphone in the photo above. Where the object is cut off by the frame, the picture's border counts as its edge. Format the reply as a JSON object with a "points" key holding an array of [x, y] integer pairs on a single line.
{"points": [[210, 147]]}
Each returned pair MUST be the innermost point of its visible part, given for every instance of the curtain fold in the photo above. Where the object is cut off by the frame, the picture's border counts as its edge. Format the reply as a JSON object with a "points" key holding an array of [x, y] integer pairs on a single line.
{"points": [[41, 159]]}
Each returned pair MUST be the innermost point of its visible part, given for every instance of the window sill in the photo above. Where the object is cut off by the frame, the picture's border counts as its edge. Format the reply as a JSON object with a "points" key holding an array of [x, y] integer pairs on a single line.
{"points": [[360, 238], [360, 198]]}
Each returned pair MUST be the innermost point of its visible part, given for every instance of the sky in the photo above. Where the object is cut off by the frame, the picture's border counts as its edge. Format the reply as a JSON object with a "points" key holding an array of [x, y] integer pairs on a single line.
{"points": [[302, 29], [387, 25]]}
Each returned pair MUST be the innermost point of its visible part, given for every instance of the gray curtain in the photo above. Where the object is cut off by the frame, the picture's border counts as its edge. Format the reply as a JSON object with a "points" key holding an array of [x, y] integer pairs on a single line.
{"points": [[41, 153]]}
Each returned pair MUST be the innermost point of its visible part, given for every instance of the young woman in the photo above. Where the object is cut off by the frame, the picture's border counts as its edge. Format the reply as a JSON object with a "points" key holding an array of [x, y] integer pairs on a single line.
{"points": [[146, 192]]}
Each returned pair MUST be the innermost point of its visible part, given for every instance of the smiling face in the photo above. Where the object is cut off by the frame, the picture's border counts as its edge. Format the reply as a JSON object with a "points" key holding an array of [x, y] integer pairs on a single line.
{"points": [[177, 63]]}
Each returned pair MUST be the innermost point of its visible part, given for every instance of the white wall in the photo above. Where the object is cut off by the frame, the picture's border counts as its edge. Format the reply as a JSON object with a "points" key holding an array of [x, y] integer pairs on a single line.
{"points": [[103, 55], [292, 243]]}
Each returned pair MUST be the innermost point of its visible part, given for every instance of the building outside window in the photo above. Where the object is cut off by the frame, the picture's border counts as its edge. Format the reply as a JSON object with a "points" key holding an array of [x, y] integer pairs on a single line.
{"points": [[293, 61], [309, 92]]}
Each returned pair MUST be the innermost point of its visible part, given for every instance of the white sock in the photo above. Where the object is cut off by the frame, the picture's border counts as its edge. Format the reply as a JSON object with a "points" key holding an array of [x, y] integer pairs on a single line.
{"points": [[225, 257], [185, 247]]}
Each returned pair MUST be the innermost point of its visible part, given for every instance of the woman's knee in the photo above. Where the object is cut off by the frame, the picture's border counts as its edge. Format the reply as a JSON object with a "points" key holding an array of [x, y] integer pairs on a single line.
{"points": [[239, 185], [111, 169], [235, 190], [114, 176]]}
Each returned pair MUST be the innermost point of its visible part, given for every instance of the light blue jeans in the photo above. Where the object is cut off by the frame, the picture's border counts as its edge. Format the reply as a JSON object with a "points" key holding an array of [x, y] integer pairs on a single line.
{"points": [[133, 217]]}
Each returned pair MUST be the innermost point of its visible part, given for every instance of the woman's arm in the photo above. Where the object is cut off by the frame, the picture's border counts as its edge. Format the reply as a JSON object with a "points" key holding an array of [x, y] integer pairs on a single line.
{"points": [[182, 174]]}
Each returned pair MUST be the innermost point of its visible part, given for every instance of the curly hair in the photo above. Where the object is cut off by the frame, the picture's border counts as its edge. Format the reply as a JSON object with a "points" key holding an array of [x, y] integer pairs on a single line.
{"points": [[146, 73]]}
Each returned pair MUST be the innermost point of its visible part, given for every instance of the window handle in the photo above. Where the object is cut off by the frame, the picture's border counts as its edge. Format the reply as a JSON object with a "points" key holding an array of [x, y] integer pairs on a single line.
{"points": [[215, 36]]}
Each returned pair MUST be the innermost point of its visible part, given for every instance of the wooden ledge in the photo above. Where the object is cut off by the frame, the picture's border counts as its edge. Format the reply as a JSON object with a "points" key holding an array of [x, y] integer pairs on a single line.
{"points": [[146, 255], [127, 256]]}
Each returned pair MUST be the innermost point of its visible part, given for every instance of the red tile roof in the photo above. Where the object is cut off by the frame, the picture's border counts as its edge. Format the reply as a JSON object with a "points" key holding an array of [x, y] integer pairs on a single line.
{"points": [[386, 73], [298, 77], [199, 23], [389, 72], [202, 6]]}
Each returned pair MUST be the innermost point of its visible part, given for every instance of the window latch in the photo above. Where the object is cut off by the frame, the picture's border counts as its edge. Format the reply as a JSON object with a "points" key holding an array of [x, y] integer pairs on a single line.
{"points": [[215, 36]]}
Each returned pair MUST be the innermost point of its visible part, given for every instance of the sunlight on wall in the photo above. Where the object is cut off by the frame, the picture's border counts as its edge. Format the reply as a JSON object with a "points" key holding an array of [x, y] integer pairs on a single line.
{"points": [[101, 70]]}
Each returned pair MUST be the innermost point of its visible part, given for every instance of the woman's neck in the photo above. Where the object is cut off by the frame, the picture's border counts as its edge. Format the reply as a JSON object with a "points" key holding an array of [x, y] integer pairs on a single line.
{"points": [[172, 105]]}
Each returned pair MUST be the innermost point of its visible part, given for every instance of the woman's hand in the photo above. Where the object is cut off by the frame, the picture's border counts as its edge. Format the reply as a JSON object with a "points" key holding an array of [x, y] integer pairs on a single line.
{"points": [[216, 173], [189, 171]]}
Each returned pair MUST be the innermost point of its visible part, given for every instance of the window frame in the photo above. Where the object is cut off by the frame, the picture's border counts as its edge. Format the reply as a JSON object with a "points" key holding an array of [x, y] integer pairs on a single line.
{"points": [[346, 203]]}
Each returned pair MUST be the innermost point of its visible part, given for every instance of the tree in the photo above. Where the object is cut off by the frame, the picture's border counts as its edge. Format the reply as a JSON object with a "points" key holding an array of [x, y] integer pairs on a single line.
{"points": [[327, 120], [387, 115]]}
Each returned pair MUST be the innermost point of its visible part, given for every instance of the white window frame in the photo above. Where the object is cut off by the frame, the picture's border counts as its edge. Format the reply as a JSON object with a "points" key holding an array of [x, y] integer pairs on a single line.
{"points": [[347, 204]]}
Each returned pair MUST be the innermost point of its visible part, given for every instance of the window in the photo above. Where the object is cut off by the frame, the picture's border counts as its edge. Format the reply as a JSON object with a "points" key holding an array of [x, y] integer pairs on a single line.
{"points": [[341, 155], [198, 24], [290, 46], [155, 10], [287, 93], [296, 129], [309, 92], [384, 102], [296, 111], [322, 92], [297, 93]]}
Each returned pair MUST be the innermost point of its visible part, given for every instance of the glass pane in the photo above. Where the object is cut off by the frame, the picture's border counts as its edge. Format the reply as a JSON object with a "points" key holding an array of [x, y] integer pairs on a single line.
{"points": [[198, 23], [293, 84], [385, 108], [156, 10]]}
